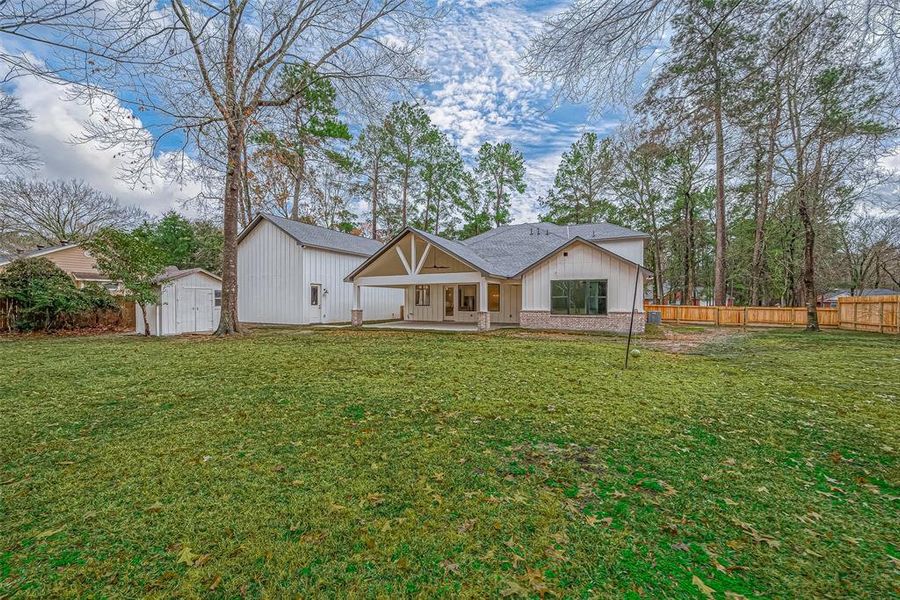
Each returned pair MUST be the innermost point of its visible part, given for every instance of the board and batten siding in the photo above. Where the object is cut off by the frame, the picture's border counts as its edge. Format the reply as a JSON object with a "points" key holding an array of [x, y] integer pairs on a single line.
{"points": [[583, 262], [328, 269], [510, 304], [270, 277], [275, 273], [163, 317]]}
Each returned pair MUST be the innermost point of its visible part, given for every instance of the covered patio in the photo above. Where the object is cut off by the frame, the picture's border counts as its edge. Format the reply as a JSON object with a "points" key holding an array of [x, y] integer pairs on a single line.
{"points": [[444, 288]]}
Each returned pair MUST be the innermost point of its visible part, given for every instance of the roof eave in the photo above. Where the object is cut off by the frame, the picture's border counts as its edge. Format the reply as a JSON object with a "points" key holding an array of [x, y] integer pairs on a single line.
{"points": [[428, 238]]}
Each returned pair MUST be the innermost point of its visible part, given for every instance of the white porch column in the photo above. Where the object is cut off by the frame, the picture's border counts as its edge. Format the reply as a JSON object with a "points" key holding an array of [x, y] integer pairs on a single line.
{"points": [[356, 314], [484, 317]]}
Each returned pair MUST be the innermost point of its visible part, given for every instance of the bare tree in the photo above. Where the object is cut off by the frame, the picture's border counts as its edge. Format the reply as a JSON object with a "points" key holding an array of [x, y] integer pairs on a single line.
{"points": [[212, 69], [16, 154], [53, 212]]}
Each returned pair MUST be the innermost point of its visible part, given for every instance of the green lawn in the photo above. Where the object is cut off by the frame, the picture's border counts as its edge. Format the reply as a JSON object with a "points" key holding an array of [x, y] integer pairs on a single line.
{"points": [[376, 464]]}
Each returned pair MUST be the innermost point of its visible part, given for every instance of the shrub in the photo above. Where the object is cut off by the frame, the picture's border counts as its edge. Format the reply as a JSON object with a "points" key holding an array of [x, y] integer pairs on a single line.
{"points": [[44, 295]]}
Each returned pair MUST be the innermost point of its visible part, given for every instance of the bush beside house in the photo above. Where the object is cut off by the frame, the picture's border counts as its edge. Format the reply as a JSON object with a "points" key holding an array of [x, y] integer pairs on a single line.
{"points": [[37, 295]]}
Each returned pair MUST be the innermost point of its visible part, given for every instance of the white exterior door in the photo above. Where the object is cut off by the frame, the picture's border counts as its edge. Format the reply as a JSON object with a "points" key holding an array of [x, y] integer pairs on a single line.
{"points": [[449, 303], [315, 303]]}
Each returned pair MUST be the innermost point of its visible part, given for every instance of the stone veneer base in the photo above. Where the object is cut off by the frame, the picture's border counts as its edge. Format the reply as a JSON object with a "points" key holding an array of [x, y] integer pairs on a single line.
{"points": [[356, 318], [614, 322], [484, 321]]}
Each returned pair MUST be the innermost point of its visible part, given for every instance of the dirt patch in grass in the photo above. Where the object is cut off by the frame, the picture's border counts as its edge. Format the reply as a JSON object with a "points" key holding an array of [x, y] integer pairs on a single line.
{"points": [[689, 340]]}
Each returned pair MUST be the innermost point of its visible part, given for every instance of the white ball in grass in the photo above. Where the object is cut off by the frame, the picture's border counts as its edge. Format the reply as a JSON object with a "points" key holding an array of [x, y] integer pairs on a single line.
{"points": [[635, 353]]}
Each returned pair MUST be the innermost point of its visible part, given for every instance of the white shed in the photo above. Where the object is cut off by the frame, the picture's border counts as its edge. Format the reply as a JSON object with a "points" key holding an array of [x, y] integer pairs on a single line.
{"points": [[189, 302], [292, 273]]}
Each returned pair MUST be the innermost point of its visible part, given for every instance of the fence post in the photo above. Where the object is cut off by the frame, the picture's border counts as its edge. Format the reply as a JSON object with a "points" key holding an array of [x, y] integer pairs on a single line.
{"points": [[881, 317], [746, 312], [855, 305], [718, 311]]}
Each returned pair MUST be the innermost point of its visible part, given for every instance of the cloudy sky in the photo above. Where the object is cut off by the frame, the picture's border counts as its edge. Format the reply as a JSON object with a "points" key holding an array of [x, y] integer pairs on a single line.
{"points": [[476, 94]]}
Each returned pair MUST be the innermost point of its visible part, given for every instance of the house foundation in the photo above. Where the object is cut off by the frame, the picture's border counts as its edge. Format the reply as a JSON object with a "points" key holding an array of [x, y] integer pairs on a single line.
{"points": [[613, 322]]}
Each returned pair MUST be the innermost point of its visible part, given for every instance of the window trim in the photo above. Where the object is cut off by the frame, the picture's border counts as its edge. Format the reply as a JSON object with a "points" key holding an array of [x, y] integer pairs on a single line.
{"points": [[489, 298], [426, 296], [604, 286]]}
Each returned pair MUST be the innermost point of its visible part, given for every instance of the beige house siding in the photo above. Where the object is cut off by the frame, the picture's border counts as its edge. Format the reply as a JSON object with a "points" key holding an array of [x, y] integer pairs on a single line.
{"points": [[74, 260]]}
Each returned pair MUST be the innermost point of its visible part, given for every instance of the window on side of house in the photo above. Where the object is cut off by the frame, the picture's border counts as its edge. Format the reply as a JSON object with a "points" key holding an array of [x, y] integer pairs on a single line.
{"points": [[578, 297], [467, 298], [314, 295], [217, 298], [423, 295], [493, 297]]}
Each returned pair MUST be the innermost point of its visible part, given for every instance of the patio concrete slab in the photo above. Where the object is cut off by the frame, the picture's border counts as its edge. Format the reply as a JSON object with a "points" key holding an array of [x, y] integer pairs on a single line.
{"points": [[430, 326]]}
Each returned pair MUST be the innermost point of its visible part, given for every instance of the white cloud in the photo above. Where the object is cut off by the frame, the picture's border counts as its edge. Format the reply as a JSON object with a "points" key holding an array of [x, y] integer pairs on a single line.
{"points": [[58, 121]]}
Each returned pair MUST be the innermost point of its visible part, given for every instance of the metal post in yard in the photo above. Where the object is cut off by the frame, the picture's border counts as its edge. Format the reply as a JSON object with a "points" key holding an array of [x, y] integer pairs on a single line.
{"points": [[637, 276]]}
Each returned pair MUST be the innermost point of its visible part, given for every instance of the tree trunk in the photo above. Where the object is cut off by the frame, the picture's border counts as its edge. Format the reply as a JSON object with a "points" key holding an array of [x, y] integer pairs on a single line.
{"points": [[295, 209], [757, 266], [375, 182], [809, 238], [687, 294], [405, 189], [719, 282], [144, 315], [228, 321]]}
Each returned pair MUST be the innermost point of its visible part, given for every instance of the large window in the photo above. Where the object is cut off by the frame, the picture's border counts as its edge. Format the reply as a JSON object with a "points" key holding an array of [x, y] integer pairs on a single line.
{"points": [[423, 295], [467, 298], [494, 297], [578, 297]]}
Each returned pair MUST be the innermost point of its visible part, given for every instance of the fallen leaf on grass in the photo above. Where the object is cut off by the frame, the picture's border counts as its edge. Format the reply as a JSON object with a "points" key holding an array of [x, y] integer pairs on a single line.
{"points": [[513, 589], [466, 525], [375, 499], [49, 532], [202, 560], [704, 589], [759, 538], [729, 502], [450, 566], [215, 583], [734, 596], [186, 556], [592, 520], [154, 508]]}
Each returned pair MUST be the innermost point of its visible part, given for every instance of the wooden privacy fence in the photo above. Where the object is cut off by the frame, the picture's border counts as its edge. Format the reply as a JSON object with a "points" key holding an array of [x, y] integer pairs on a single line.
{"points": [[870, 313], [119, 318], [863, 313]]}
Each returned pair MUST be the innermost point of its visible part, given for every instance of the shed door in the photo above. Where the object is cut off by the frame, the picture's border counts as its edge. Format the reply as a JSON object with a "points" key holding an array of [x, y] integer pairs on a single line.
{"points": [[193, 309]]}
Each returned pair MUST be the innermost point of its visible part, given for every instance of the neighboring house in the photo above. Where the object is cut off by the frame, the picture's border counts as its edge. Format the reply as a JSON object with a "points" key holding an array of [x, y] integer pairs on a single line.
{"points": [[830, 299], [71, 258], [585, 277], [189, 301], [293, 273]]}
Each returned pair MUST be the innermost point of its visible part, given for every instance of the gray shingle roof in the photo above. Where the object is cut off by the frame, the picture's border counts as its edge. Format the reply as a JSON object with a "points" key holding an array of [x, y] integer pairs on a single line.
{"points": [[320, 237], [508, 250]]}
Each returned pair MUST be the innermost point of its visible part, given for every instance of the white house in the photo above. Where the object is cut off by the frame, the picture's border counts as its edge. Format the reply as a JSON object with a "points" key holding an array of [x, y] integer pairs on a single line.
{"points": [[293, 273], [585, 277], [189, 302]]}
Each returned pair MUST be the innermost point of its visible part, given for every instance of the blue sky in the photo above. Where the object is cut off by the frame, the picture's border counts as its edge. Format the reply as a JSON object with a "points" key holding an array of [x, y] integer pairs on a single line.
{"points": [[476, 93]]}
